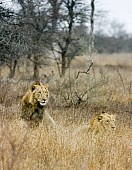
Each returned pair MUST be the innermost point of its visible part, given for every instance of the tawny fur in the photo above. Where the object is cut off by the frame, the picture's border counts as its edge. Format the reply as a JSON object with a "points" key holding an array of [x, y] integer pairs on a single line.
{"points": [[99, 123], [34, 105]]}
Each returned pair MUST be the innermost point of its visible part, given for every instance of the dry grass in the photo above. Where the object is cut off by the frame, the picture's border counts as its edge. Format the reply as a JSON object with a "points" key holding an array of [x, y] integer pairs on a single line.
{"points": [[108, 87]]}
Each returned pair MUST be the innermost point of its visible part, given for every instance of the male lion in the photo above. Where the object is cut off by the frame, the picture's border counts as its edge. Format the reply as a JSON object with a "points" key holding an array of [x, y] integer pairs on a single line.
{"points": [[99, 123], [34, 104], [102, 122]]}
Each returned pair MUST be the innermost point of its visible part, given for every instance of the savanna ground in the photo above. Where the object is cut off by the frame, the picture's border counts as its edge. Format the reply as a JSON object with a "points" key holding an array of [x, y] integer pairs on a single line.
{"points": [[107, 87]]}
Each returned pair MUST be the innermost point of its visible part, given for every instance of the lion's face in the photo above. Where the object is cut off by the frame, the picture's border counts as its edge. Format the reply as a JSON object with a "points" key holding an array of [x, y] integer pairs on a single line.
{"points": [[107, 121], [40, 94]]}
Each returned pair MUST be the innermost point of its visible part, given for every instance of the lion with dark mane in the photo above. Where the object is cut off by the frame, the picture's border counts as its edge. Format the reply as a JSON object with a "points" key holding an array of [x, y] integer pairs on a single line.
{"points": [[34, 105]]}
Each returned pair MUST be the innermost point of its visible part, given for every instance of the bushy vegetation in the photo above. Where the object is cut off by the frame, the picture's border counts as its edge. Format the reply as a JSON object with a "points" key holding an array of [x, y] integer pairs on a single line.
{"points": [[73, 101]]}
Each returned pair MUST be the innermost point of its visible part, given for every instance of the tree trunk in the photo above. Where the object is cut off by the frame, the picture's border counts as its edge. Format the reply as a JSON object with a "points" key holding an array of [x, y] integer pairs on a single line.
{"points": [[12, 68], [91, 41], [63, 67], [36, 67]]}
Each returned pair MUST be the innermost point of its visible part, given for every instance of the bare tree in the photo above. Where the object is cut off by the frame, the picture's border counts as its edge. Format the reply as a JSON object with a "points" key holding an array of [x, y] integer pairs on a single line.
{"points": [[117, 29], [115, 40], [48, 22], [70, 14], [91, 39], [34, 18], [13, 43], [54, 9]]}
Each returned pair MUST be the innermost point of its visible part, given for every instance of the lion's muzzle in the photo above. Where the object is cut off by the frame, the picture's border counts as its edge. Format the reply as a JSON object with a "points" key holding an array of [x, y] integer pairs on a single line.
{"points": [[43, 103]]}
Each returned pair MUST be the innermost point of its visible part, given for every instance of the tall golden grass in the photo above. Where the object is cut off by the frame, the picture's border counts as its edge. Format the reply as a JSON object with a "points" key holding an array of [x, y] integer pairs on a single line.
{"points": [[107, 87]]}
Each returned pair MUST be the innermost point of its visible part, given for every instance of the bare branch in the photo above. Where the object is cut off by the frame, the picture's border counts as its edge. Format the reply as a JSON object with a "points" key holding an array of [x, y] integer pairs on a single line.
{"points": [[85, 72], [91, 41]]}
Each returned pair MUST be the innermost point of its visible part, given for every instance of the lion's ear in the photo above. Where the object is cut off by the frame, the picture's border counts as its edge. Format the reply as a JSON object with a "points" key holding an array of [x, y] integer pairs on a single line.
{"points": [[37, 83], [100, 117], [34, 85]]}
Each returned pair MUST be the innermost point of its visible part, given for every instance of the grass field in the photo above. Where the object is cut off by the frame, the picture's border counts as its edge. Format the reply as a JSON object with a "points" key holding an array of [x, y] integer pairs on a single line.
{"points": [[107, 87]]}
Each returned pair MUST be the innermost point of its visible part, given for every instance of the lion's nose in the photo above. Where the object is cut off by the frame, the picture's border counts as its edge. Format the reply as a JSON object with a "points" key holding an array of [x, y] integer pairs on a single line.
{"points": [[44, 100], [113, 127]]}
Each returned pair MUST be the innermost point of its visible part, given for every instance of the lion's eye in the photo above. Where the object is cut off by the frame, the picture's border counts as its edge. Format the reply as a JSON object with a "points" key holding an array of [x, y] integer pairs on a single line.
{"points": [[39, 92], [107, 121]]}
